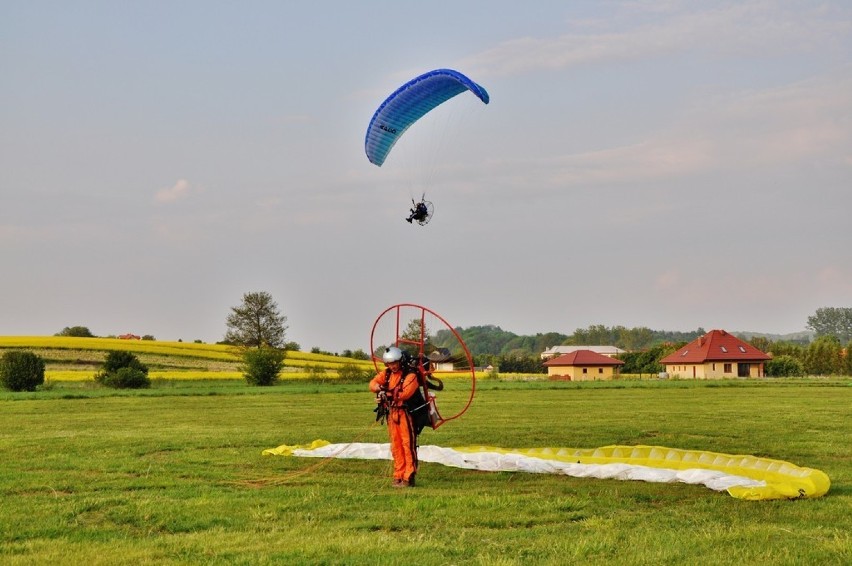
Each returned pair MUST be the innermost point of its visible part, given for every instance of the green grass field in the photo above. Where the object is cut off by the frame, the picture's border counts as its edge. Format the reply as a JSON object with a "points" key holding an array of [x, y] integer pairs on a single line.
{"points": [[174, 475]]}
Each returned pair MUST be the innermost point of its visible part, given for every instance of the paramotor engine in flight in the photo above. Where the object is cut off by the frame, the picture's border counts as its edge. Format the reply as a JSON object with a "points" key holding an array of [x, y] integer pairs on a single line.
{"points": [[406, 105], [421, 212]]}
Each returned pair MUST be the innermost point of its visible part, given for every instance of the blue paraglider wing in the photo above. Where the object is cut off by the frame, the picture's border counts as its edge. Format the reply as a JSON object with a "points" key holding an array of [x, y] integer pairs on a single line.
{"points": [[409, 103]]}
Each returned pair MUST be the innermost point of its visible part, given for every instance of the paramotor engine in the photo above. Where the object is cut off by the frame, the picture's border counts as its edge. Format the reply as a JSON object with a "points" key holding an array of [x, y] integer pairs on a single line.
{"points": [[421, 212], [436, 351]]}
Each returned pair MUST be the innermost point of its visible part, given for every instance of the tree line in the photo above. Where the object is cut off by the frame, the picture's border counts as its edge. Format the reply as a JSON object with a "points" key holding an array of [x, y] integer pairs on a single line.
{"points": [[829, 353], [491, 340], [258, 324]]}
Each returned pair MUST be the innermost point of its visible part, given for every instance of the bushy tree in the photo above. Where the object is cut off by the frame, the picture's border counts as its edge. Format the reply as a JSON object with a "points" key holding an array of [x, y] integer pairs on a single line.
{"points": [[21, 371], [256, 322], [488, 339], [414, 333], [359, 354], [315, 371], [262, 365], [847, 359], [123, 370], [647, 361], [785, 366], [515, 363], [485, 360], [126, 378], [350, 372], [76, 331], [117, 359], [787, 349], [761, 343], [830, 321], [823, 356]]}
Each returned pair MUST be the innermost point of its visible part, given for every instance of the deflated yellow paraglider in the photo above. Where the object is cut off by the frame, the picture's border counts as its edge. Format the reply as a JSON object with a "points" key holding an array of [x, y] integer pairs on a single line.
{"points": [[782, 480], [744, 477]]}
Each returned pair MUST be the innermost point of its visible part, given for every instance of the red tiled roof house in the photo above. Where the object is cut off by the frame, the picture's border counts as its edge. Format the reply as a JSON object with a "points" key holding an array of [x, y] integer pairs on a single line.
{"points": [[716, 355], [583, 365]]}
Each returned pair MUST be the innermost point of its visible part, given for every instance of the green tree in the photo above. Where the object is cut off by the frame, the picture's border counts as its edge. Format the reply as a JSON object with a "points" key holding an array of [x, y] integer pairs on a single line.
{"points": [[76, 331], [358, 354], [847, 359], [787, 349], [349, 372], [117, 359], [480, 340], [123, 370], [830, 321], [634, 339], [126, 378], [262, 365], [315, 371], [785, 366], [631, 339], [412, 335], [21, 371], [823, 356], [519, 363], [761, 343], [646, 361], [594, 335], [256, 322]]}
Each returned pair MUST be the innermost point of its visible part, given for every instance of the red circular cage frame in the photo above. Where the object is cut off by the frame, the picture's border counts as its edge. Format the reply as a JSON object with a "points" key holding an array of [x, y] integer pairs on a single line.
{"points": [[395, 311]]}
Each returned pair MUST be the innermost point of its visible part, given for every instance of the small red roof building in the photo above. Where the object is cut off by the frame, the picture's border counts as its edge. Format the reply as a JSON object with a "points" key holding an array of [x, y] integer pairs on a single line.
{"points": [[554, 351], [714, 355], [583, 358], [582, 365]]}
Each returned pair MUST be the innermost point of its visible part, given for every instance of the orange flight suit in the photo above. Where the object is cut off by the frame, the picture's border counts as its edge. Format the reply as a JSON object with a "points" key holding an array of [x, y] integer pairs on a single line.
{"points": [[403, 440]]}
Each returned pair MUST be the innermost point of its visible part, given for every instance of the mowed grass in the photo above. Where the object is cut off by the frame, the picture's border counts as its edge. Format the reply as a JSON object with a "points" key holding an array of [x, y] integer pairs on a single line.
{"points": [[174, 475]]}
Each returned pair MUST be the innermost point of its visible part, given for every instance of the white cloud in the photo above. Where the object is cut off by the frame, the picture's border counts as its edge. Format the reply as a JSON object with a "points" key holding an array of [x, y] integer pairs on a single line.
{"points": [[667, 280], [836, 280], [763, 291], [180, 190], [755, 28], [780, 126]]}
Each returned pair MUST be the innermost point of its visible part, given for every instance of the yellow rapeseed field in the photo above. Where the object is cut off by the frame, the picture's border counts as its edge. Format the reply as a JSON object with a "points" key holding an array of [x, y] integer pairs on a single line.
{"points": [[81, 376], [88, 375], [297, 364], [212, 351]]}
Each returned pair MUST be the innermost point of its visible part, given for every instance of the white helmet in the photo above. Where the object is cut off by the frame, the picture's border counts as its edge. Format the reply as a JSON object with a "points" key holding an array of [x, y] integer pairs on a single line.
{"points": [[392, 354]]}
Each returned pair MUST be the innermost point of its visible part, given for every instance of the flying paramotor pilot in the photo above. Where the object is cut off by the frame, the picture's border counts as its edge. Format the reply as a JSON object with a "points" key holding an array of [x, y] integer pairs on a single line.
{"points": [[418, 213]]}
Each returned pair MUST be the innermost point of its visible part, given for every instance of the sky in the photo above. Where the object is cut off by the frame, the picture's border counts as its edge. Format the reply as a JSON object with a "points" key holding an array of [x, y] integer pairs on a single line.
{"points": [[672, 165]]}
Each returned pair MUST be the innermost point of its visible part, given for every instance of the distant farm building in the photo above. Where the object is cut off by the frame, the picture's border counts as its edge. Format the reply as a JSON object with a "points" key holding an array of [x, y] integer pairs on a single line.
{"points": [[583, 365], [441, 360], [610, 351], [129, 337], [716, 355]]}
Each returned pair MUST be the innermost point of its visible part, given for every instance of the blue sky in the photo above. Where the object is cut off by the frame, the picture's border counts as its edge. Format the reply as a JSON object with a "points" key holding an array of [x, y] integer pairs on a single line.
{"points": [[665, 164]]}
